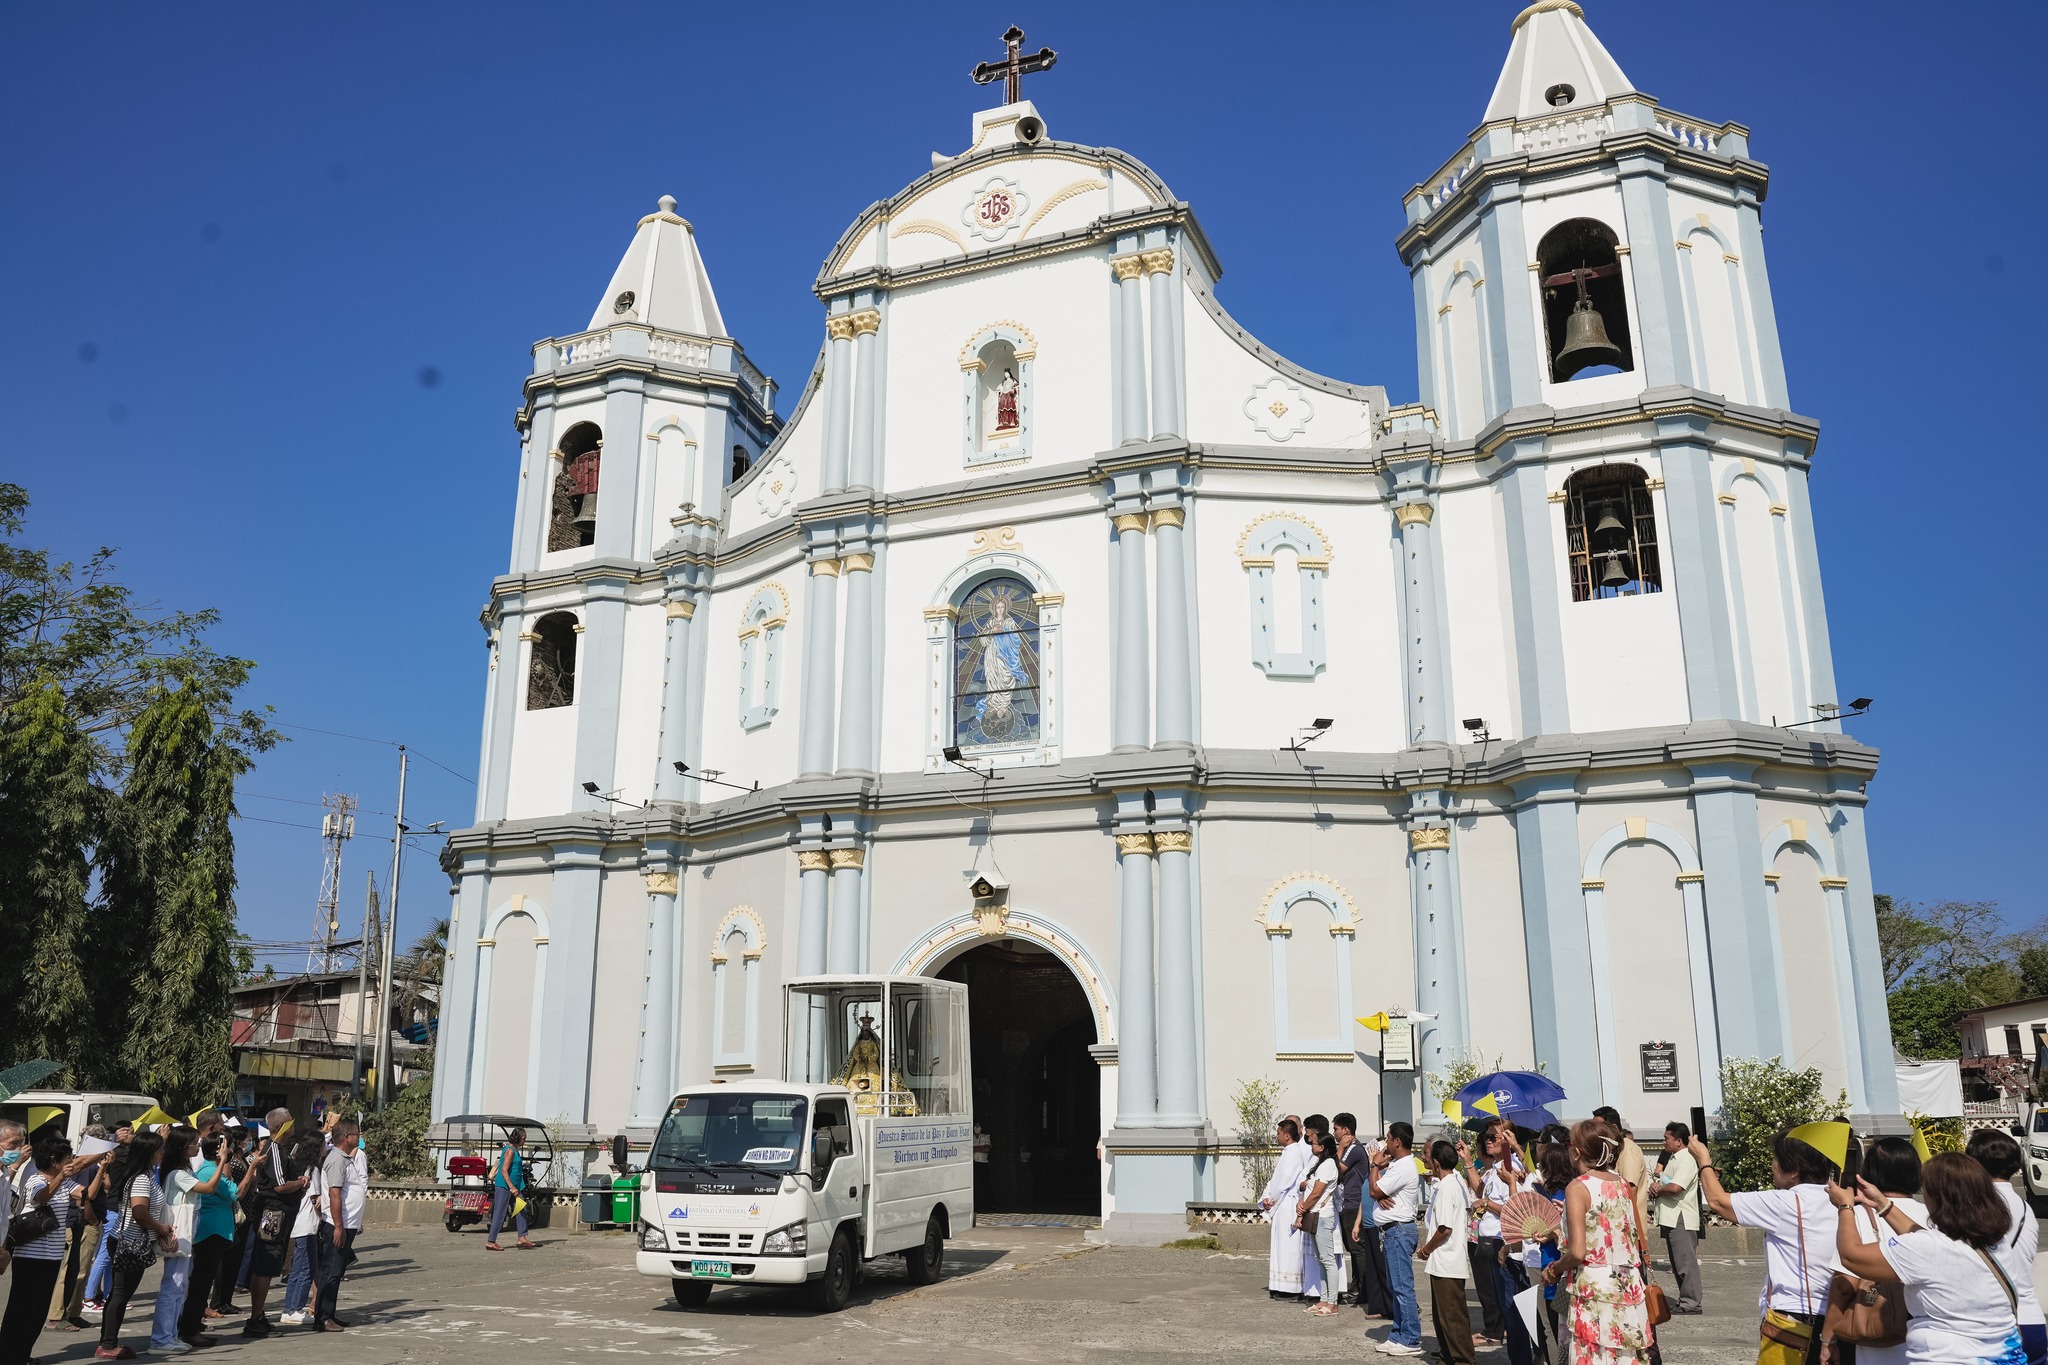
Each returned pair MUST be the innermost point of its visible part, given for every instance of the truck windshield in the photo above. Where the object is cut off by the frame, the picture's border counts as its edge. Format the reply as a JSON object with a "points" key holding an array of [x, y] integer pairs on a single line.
{"points": [[761, 1132]]}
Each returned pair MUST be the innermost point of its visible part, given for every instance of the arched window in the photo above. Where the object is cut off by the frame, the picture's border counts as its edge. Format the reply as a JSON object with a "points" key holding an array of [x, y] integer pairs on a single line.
{"points": [[761, 626], [996, 666], [551, 675], [736, 987], [741, 463], [1610, 530], [1310, 927], [1585, 308], [572, 516], [1287, 559]]}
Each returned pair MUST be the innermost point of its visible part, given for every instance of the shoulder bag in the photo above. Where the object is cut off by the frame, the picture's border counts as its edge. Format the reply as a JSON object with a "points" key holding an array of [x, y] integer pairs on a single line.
{"points": [[2012, 1352], [134, 1245], [1866, 1312], [271, 1227], [31, 1221], [1777, 1325]]}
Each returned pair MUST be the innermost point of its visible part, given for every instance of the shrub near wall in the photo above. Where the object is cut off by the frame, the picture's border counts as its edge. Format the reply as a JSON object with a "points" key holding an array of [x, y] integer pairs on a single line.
{"points": [[1759, 1100]]}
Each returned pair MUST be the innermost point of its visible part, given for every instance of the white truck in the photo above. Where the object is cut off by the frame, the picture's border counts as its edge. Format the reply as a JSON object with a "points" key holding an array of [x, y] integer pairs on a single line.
{"points": [[865, 1150]]}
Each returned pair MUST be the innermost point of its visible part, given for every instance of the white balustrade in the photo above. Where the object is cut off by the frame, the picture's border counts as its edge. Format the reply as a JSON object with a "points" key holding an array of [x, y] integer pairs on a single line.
{"points": [[1692, 135], [680, 350], [581, 350], [1570, 130], [1445, 186]]}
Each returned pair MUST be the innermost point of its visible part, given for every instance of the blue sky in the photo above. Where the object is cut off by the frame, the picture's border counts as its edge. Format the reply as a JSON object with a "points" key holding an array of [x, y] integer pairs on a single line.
{"points": [[240, 240]]}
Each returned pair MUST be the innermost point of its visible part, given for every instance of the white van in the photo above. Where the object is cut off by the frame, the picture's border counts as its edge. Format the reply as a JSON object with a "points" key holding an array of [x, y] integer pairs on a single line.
{"points": [[110, 1108]]}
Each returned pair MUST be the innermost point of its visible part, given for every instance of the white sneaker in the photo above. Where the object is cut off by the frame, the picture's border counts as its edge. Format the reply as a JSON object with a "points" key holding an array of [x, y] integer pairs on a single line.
{"points": [[1395, 1348], [175, 1348], [291, 1319]]}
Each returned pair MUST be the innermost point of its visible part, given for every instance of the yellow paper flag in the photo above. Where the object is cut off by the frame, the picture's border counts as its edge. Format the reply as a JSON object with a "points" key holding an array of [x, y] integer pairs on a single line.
{"points": [[1454, 1111], [519, 1204], [1831, 1140], [40, 1114], [151, 1117], [1376, 1022], [1421, 1166], [1487, 1104], [1920, 1145]]}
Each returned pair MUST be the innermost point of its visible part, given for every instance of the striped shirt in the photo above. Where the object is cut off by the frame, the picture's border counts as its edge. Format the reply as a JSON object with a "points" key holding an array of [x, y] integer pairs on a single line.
{"points": [[51, 1245]]}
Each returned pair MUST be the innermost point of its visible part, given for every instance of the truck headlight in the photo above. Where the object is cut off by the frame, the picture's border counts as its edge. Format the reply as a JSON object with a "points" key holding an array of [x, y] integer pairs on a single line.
{"points": [[793, 1240], [652, 1238]]}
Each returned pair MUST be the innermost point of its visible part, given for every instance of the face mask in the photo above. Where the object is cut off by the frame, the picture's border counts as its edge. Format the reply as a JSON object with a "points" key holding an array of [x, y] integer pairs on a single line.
{"points": [[9, 1158]]}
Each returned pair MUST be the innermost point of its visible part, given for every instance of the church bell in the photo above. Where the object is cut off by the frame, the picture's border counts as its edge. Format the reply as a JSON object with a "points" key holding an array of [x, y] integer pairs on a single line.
{"points": [[1586, 342], [1609, 524], [1613, 576], [586, 512]]}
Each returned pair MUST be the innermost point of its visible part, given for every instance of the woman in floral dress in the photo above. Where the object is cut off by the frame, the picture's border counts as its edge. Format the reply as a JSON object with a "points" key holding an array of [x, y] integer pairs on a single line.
{"points": [[1609, 1319]]}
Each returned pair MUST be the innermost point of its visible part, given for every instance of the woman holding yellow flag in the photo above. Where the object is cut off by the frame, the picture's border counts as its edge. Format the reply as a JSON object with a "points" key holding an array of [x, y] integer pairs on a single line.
{"points": [[1798, 1224], [508, 1190]]}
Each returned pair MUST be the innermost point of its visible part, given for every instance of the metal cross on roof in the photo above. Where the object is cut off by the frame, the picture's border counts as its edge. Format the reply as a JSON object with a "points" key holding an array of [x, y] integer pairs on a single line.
{"points": [[1012, 68]]}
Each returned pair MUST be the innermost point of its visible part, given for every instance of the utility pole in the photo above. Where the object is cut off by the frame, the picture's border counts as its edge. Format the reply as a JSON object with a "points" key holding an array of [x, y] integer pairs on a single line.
{"points": [[363, 951], [383, 1064], [337, 827]]}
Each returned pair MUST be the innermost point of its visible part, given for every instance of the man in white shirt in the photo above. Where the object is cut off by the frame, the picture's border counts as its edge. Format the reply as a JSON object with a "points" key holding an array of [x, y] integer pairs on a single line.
{"points": [[1445, 1258], [344, 1183], [1395, 1186], [1676, 1195]]}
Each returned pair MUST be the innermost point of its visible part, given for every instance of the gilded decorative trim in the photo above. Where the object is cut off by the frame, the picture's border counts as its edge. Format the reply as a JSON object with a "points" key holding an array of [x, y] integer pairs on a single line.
{"points": [[1132, 521], [1158, 262], [993, 539], [1558, 495], [1834, 883], [1169, 516], [1244, 536], [529, 635], [1429, 837], [1128, 267], [1061, 196], [812, 860], [1592, 884], [1028, 351], [941, 613], [1684, 877], [839, 327], [933, 227], [860, 563], [845, 857], [1779, 509], [1638, 827], [1173, 841], [661, 883], [733, 920], [1134, 843], [1770, 879], [1331, 883], [487, 943], [682, 607], [825, 568], [865, 321], [1315, 1056], [1343, 931], [1728, 498], [1280, 930], [1408, 514], [540, 940], [1049, 599]]}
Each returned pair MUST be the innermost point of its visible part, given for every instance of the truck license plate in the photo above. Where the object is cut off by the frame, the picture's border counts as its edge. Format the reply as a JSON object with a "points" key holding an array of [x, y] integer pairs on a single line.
{"points": [[712, 1270]]}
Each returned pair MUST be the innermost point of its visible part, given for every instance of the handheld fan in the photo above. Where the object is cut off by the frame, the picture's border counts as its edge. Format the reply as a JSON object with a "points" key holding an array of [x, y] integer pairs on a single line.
{"points": [[1530, 1217]]}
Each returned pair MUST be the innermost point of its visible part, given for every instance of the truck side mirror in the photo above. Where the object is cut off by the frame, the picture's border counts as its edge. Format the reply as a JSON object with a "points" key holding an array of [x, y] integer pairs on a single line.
{"points": [[621, 1153], [821, 1150], [2018, 1131]]}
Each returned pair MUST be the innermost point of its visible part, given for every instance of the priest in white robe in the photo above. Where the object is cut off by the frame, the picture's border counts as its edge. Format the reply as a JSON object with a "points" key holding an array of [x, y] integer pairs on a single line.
{"points": [[1292, 1270]]}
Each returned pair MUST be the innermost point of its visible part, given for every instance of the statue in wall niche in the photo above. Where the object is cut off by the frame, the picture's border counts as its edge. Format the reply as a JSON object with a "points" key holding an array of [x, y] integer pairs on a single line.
{"points": [[863, 1074], [1006, 404]]}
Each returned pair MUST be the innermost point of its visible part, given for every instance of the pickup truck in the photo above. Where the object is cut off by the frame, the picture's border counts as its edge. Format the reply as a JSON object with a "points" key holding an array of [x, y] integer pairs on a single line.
{"points": [[866, 1151]]}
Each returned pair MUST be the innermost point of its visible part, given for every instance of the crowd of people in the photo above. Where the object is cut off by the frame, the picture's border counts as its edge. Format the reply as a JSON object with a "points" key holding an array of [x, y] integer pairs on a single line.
{"points": [[221, 1207], [1922, 1262]]}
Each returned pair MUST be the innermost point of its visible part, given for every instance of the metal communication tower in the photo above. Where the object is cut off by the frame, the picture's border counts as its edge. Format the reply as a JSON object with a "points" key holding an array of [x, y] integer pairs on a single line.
{"points": [[337, 827]]}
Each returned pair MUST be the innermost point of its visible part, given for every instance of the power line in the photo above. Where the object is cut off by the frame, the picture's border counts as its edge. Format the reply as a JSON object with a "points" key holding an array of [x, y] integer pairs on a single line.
{"points": [[368, 739]]}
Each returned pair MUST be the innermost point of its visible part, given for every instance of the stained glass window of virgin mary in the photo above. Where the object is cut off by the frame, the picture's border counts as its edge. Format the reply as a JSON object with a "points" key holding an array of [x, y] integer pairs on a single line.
{"points": [[995, 666]]}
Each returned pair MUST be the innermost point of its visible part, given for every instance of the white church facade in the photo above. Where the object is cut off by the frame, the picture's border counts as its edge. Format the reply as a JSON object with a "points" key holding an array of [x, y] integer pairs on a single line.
{"points": [[1252, 702]]}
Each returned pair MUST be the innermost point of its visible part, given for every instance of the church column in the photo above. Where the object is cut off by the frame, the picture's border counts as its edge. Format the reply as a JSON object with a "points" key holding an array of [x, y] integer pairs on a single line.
{"points": [[1530, 521], [1741, 946], [1133, 423], [1179, 1022], [838, 401], [508, 662], [600, 674], [1176, 720], [1137, 1088], [843, 946], [1660, 308], [669, 785], [456, 1037], [1845, 807], [654, 1080], [1421, 630], [1560, 954], [568, 991], [618, 469], [814, 900], [1439, 931], [821, 629], [1130, 727], [1165, 369], [866, 397], [1697, 571], [536, 486], [857, 697]]}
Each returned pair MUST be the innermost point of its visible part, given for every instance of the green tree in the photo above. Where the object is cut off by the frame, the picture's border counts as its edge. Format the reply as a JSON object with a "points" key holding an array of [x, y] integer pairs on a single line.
{"points": [[49, 806], [1903, 938], [172, 869], [1923, 1017], [397, 1138], [1759, 1100]]}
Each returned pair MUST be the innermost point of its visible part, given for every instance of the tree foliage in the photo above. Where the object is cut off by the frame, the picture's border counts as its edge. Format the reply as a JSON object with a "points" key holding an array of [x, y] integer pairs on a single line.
{"points": [[1945, 959], [397, 1137], [1257, 1102], [1760, 1099], [120, 744]]}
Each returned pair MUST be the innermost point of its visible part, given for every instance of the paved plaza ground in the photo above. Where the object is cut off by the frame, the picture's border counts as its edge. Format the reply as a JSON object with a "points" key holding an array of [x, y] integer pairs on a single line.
{"points": [[1009, 1293]]}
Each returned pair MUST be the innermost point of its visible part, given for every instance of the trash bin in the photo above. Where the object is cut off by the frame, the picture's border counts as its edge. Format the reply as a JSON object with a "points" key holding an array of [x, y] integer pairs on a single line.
{"points": [[626, 1200], [594, 1203]]}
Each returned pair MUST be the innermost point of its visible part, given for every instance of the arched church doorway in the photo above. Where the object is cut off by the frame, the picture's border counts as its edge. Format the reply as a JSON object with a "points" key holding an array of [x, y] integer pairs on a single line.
{"points": [[1037, 1091]]}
